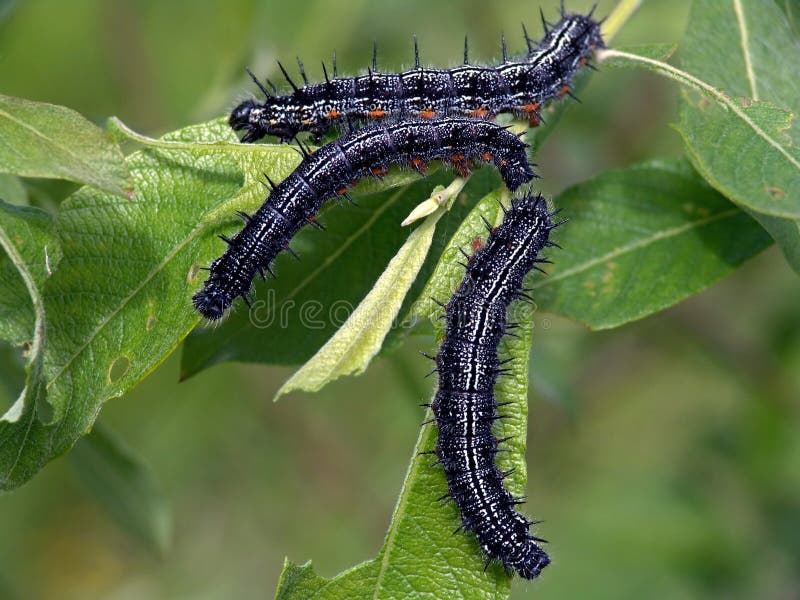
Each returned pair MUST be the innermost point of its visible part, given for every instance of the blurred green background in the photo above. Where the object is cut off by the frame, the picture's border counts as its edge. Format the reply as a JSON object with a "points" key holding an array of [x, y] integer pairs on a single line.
{"points": [[664, 456]]}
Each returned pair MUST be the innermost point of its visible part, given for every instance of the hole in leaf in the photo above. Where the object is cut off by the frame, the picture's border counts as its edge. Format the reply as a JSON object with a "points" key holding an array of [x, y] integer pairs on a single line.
{"points": [[118, 368], [12, 381], [775, 193]]}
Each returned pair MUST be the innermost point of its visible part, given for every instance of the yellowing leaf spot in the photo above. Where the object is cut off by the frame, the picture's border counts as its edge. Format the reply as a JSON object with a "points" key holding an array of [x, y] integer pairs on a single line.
{"points": [[775, 193], [191, 276], [118, 368]]}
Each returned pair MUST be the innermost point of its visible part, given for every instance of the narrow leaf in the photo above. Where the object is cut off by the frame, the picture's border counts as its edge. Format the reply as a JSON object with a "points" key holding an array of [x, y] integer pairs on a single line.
{"points": [[45, 140], [447, 274], [359, 339]]}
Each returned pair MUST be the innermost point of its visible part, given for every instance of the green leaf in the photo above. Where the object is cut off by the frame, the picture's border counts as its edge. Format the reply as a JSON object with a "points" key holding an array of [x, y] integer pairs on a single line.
{"points": [[333, 274], [641, 239], [45, 140], [761, 173], [745, 152], [737, 114], [26, 237], [729, 137], [448, 273], [125, 486], [122, 293], [421, 556], [12, 190], [360, 338]]}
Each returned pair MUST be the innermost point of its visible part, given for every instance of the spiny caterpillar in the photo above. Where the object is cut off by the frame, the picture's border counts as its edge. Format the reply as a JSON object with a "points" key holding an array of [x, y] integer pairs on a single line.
{"points": [[330, 170], [464, 407], [517, 85]]}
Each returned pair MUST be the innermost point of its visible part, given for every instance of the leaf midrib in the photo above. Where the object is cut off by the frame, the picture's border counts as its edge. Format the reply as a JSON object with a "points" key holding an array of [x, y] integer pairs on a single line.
{"points": [[150, 276], [745, 43]]}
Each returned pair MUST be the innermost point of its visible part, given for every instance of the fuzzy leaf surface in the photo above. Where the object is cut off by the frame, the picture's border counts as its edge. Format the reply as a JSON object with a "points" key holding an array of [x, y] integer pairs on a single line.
{"points": [[121, 295], [45, 140]]}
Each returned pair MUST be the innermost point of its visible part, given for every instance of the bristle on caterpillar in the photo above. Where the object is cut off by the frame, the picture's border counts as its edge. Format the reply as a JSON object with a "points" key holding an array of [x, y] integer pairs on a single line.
{"points": [[521, 86], [329, 171], [464, 407]]}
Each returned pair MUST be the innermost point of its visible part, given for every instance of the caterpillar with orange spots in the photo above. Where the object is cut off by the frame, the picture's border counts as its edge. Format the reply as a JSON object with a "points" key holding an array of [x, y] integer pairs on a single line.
{"points": [[330, 170], [520, 86]]}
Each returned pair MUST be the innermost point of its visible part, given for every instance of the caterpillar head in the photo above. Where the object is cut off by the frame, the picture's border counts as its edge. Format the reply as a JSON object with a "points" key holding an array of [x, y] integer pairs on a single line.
{"points": [[258, 119]]}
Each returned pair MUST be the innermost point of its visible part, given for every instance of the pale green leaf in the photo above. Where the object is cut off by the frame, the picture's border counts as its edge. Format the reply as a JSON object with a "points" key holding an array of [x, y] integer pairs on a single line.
{"points": [[45, 140], [360, 338], [12, 190], [122, 293]]}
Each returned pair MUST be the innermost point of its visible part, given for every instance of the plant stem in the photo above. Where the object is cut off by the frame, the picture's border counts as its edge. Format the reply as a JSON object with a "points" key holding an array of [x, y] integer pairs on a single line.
{"points": [[618, 17]]}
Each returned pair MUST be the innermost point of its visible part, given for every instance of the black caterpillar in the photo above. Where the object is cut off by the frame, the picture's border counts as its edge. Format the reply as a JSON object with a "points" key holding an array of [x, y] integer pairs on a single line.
{"points": [[464, 406], [520, 86], [328, 172]]}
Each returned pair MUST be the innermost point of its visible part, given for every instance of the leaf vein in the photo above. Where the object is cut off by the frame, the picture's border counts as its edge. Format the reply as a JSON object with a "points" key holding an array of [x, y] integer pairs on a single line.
{"points": [[661, 235], [745, 42]]}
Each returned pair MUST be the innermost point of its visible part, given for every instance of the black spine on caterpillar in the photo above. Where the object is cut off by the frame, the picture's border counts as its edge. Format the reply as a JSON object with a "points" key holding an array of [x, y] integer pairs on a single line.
{"points": [[328, 172], [521, 86], [468, 366]]}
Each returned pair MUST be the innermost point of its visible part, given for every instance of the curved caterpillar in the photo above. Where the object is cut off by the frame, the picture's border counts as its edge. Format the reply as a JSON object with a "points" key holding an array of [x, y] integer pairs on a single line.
{"points": [[464, 406], [520, 86], [328, 172]]}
